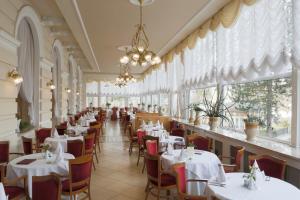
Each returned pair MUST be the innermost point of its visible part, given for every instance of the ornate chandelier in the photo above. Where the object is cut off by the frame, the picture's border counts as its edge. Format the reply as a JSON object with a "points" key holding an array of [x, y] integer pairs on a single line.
{"points": [[124, 78], [139, 53]]}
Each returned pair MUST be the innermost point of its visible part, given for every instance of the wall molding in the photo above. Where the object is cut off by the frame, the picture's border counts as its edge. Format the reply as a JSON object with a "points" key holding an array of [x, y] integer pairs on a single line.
{"points": [[9, 42]]}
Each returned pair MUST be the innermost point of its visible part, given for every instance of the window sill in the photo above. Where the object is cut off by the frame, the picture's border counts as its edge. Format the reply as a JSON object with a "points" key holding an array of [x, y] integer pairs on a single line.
{"points": [[258, 146]]}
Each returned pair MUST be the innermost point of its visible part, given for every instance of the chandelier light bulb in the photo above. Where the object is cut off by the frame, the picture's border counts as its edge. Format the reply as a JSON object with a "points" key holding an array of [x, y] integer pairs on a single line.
{"points": [[148, 57], [135, 57], [124, 60], [153, 62], [157, 59], [18, 80], [134, 63], [141, 49]]}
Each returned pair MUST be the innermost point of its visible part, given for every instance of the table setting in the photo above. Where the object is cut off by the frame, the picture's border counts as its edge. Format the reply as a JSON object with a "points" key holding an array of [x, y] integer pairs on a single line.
{"points": [[62, 140], [252, 185], [2, 193], [39, 164], [199, 165], [86, 119]]}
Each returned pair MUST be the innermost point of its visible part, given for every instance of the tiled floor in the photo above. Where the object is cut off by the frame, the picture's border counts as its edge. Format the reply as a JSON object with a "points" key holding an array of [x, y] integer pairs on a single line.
{"points": [[117, 176]]}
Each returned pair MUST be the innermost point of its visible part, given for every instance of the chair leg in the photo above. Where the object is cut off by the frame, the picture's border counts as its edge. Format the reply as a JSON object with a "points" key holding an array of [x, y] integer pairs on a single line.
{"points": [[96, 155], [89, 193], [147, 186], [158, 193], [98, 144], [130, 148], [138, 157], [144, 165], [147, 194], [94, 165]]}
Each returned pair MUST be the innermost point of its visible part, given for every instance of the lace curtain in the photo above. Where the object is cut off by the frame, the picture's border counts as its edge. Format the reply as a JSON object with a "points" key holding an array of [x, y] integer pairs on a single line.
{"points": [[26, 66]]}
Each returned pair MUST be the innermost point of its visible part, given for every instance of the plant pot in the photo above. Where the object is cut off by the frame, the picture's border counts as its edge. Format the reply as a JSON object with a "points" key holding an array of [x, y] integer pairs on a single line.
{"points": [[191, 119], [197, 119], [251, 130], [213, 123]]}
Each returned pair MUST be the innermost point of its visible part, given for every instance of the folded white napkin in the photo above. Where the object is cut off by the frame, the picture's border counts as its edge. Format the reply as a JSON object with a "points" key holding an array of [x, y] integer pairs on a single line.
{"points": [[55, 134], [258, 174], [151, 123], [59, 152], [158, 124], [68, 125], [181, 155], [221, 178], [2, 192]]}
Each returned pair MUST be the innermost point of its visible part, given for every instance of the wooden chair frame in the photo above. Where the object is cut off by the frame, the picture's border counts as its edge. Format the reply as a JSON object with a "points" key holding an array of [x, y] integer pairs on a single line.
{"points": [[184, 196], [86, 189], [233, 167], [91, 150], [151, 186]]}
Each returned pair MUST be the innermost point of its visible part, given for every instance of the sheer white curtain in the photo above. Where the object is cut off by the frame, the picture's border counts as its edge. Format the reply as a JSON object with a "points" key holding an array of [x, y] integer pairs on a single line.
{"points": [[296, 38], [26, 65], [256, 46]]}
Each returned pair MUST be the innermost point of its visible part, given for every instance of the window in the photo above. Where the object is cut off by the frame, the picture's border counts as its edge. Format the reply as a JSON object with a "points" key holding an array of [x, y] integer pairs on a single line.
{"points": [[164, 103], [103, 101], [155, 99], [92, 101], [134, 101], [118, 102], [269, 100], [148, 100], [196, 97]]}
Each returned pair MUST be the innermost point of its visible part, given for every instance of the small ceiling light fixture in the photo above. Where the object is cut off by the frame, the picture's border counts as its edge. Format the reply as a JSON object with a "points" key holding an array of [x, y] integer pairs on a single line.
{"points": [[51, 85], [77, 93], [15, 76], [68, 90], [139, 53]]}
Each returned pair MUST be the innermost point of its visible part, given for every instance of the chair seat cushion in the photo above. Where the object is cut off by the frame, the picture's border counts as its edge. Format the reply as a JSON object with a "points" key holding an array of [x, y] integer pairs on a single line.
{"points": [[166, 180], [194, 198], [14, 191], [66, 186]]}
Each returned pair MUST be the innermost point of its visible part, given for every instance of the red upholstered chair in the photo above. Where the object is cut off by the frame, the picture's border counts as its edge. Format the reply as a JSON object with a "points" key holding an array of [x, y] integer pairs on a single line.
{"points": [[11, 187], [4, 152], [173, 124], [140, 135], [96, 131], [235, 162], [133, 139], [157, 179], [181, 181], [145, 139], [75, 147], [41, 135], [202, 143], [27, 145], [61, 129], [80, 170], [272, 166], [152, 147], [89, 142], [177, 132], [46, 187], [98, 127]]}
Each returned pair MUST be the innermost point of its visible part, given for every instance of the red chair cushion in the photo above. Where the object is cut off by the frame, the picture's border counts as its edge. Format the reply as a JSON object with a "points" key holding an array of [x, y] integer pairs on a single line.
{"points": [[201, 143], [151, 147], [46, 190], [177, 132], [140, 135], [66, 186], [14, 191], [180, 171], [166, 180]]}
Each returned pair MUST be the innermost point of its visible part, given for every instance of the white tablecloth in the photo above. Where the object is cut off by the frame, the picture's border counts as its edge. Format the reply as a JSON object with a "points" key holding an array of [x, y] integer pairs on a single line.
{"points": [[63, 140], [274, 189], [204, 166], [2, 192], [40, 167], [79, 130]]}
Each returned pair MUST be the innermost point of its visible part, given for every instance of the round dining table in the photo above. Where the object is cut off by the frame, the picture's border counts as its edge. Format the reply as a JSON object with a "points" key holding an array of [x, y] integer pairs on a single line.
{"points": [[270, 188], [62, 140], [201, 165], [37, 165], [79, 130]]}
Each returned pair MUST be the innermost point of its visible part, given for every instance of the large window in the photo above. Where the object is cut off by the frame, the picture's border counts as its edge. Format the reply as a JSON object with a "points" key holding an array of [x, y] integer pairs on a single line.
{"points": [[92, 101], [134, 101], [269, 100], [164, 103], [155, 100]]}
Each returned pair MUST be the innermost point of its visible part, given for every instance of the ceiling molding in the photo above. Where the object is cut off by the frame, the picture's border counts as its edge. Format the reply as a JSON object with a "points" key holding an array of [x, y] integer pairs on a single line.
{"points": [[85, 32]]}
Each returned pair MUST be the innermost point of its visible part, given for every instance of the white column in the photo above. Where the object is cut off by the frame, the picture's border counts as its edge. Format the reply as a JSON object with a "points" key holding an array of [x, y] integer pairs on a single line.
{"points": [[295, 127]]}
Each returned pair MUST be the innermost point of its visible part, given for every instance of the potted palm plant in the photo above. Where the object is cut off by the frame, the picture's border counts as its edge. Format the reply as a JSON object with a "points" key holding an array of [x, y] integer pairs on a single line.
{"points": [[215, 110]]}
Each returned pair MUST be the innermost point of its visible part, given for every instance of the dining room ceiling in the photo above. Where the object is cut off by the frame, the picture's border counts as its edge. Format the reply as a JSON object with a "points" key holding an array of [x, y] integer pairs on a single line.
{"points": [[101, 26]]}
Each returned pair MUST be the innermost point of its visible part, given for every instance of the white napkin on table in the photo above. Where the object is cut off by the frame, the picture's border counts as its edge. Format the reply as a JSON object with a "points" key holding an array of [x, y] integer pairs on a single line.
{"points": [[221, 178], [59, 152], [258, 174], [158, 124], [55, 134]]}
